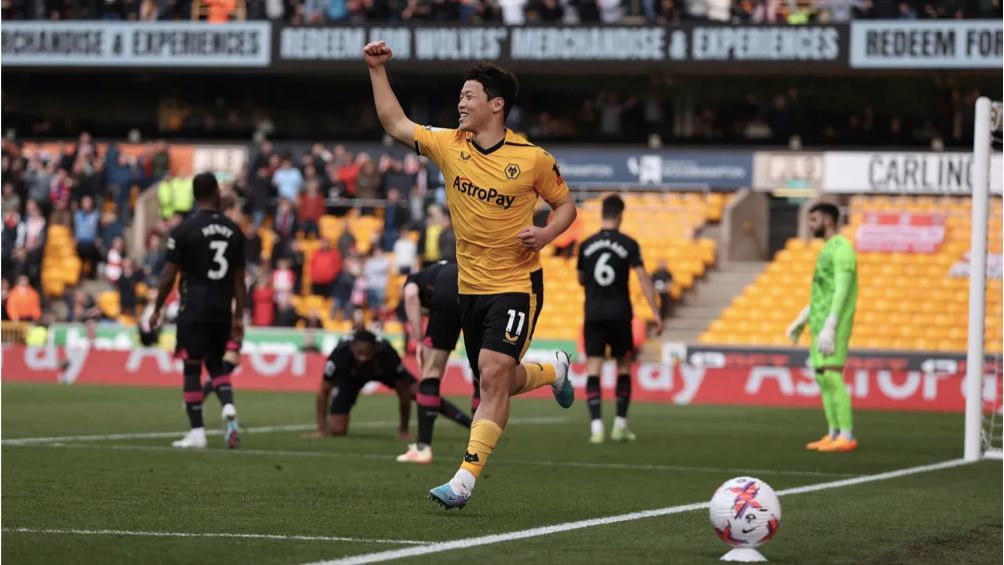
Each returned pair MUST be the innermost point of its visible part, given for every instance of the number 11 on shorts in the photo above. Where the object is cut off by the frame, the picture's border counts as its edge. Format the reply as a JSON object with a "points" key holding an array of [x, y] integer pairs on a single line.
{"points": [[512, 318]]}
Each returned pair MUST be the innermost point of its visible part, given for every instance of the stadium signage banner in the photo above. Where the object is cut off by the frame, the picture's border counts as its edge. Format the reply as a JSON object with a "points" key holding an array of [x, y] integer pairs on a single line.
{"points": [[788, 173], [896, 361], [225, 160], [754, 379], [571, 49], [942, 44], [118, 44], [901, 232], [622, 167], [116, 337], [675, 169], [904, 173]]}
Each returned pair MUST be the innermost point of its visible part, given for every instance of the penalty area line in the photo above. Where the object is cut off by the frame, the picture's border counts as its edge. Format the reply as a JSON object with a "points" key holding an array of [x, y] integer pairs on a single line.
{"points": [[468, 543]]}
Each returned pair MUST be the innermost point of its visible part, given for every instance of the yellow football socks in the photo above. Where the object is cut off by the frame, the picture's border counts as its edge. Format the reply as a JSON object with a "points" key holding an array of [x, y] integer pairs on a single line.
{"points": [[484, 435], [537, 375]]}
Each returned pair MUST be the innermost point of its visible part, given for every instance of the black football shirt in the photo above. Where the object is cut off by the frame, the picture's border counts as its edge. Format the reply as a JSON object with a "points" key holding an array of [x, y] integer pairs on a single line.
{"points": [[208, 248], [385, 366], [605, 262], [437, 281]]}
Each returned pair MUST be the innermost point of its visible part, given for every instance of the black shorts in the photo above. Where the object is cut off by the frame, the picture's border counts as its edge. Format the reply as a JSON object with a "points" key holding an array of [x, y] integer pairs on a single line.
{"points": [[501, 322], [346, 390], [598, 334], [443, 329], [205, 342]]}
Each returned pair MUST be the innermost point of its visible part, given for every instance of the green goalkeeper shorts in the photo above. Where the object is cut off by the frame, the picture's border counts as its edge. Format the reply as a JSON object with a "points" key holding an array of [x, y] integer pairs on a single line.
{"points": [[837, 359]]}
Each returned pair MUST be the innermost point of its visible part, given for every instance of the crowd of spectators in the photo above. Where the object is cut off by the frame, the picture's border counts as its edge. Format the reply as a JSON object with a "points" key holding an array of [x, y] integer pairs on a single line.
{"points": [[295, 193], [81, 187], [88, 192], [508, 12]]}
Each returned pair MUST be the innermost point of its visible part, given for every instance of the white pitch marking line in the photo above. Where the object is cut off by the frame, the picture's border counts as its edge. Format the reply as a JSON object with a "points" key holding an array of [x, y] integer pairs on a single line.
{"points": [[569, 526], [53, 531], [636, 466], [258, 430], [387, 457], [156, 435]]}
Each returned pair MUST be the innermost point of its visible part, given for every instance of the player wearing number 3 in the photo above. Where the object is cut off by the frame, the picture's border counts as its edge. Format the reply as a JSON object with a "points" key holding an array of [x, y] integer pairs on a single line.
{"points": [[207, 249], [493, 180], [605, 262]]}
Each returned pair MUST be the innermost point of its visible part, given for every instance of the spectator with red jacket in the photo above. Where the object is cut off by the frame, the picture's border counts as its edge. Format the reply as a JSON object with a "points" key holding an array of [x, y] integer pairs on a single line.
{"points": [[263, 301], [325, 265], [311, 209], [348, 173]]}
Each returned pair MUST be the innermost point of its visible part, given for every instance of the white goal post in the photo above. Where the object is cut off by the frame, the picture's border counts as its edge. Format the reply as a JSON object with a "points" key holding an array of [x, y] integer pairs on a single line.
{"points": [[977, 444]]}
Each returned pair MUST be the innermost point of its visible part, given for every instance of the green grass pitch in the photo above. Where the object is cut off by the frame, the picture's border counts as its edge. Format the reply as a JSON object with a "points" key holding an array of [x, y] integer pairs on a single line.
{"points": [[60, 497]]}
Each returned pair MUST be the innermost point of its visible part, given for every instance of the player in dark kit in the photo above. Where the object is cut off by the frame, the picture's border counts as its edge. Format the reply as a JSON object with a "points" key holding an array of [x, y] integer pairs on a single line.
{"points": [[605, 261], [433, 290], [207, 249], [357, 361]]}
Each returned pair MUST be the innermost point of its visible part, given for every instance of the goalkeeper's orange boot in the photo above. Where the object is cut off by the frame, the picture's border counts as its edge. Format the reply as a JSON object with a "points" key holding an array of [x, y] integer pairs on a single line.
{"points": [[816, 445], [840, 444]]}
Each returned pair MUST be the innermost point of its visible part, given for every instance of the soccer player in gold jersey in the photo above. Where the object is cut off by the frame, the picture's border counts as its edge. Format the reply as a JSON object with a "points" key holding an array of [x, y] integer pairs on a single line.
{"points": [[493, 180]]}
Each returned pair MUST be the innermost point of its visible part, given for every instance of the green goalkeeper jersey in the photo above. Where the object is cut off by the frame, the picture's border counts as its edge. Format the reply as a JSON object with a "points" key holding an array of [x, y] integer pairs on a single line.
{"points": [[834, 286]]}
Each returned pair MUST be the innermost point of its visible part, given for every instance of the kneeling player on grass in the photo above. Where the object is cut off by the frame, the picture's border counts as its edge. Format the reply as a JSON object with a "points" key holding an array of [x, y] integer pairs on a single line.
{"points": [[830, 316], [433, 289], [351, 365], [605, 262]]}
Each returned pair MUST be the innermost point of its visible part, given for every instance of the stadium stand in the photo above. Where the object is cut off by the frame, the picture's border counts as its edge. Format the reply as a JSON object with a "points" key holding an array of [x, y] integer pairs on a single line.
{"points": [[60, 265], [906, 301], [646, 219]]}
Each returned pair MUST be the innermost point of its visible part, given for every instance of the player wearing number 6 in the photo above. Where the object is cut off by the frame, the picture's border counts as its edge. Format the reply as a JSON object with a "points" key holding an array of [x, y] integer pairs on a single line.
{"points": [[493, 180], [605, 261], [207, 249]]}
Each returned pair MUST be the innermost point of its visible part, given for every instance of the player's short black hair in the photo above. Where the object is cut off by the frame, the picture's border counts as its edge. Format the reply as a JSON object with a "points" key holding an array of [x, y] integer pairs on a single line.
{"points": [[613, 207], [204, 187], [364, 336], [497, 82], [827, 209]]}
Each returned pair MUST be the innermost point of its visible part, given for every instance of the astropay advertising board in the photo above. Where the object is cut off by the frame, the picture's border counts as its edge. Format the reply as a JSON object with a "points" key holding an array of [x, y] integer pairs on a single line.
{"points": [[889, 172], [765, 378]]}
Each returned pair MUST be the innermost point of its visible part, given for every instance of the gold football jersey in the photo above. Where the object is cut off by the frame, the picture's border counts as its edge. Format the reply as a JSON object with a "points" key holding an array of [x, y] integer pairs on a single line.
{"points": [[491, 193]]}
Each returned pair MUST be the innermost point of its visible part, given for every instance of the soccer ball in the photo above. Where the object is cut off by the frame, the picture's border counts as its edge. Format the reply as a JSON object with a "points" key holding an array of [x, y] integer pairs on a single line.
{"points": [[745, 512]]}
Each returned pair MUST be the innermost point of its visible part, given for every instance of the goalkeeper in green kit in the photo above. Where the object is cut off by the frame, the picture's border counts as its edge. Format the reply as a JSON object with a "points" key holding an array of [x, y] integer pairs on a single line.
{"points": [[830, 316]]}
